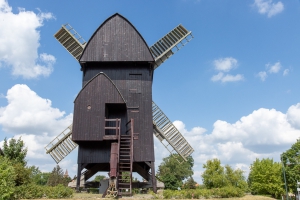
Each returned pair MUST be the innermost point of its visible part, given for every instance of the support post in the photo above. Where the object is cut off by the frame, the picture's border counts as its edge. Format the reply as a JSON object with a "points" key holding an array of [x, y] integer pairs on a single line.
{"points": [[153, 177], [78, 177]]}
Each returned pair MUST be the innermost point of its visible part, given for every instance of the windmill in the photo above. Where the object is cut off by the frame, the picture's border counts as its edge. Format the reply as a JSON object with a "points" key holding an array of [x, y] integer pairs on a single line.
{"points": [[114, 115]]}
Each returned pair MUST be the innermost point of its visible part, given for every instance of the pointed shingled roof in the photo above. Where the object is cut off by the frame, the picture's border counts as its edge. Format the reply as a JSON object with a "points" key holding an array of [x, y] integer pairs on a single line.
{"points": [[66, 173], [116, 39]]}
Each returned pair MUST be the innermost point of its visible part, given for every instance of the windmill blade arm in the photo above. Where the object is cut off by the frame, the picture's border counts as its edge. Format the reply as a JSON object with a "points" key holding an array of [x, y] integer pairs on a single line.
{"points": [[164, 130], [62, 145], [70, 40], [170, 44]]}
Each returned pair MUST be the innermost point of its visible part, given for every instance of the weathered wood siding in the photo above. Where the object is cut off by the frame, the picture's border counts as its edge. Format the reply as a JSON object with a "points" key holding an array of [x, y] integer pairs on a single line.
{"points": [[117, 69], [89, 108], [116, 40]]}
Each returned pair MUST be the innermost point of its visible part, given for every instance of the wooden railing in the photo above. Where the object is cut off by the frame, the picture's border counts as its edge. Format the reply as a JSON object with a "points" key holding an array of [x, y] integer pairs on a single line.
{"points": [[117, 129]]}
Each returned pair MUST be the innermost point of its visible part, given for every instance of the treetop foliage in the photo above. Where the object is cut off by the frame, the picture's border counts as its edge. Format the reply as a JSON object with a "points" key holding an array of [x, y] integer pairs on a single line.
{"points": [[291, 162], [172, 173], [217, 176], [15, 150], [56, 177], [265, 177]]}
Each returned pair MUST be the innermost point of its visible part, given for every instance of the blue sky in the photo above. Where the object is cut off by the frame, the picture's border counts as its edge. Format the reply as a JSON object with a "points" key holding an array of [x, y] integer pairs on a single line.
{"points": [[233, 91]]}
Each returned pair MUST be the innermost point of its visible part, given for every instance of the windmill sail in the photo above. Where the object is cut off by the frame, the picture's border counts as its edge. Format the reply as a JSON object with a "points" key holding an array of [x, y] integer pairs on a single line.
{"points": [[71, 40], [168, 134], [170, 44], [62, 145]]}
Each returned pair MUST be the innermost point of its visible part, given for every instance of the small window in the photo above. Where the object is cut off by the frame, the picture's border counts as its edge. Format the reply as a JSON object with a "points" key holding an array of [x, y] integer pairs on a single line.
{"points": [[135, 76]]}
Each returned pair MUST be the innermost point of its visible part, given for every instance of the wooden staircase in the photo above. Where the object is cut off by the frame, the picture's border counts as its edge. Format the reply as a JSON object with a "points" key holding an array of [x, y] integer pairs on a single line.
{"points": [[125, 161]]}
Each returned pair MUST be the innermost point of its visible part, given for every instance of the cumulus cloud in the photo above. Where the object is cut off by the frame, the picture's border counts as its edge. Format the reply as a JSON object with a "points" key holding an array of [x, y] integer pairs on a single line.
{"points": [[273, 69], [27, 112], [264, 133], [293, 115], [224, 65], [33, 118], [19, 39], [268, 7], [262, 75]]}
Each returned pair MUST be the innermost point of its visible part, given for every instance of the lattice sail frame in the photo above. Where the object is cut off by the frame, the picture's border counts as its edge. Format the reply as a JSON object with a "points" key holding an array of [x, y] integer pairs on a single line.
{"points": [[165, 130], [62, 145], [71, 40], [170, 44]]}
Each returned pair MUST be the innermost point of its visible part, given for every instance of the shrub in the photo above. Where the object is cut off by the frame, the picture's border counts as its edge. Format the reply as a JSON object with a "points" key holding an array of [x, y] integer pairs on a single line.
{"points": [[7, 177], [225, 192], [33, 191], [30, 191], [58, 191]]}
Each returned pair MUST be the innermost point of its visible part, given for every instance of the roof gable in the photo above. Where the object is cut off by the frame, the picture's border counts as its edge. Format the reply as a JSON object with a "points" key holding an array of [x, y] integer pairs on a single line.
{"points": [[116, 40]]}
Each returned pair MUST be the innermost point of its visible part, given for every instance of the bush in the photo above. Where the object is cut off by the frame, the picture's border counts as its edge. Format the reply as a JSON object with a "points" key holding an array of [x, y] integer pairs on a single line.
{"points": [[7, 177], [58, 191], [33, 191], [30, 191], [225, 192]]}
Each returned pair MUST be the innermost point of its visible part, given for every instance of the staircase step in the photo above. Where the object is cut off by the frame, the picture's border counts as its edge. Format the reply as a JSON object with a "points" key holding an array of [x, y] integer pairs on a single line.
{"points": [[124, 184]]}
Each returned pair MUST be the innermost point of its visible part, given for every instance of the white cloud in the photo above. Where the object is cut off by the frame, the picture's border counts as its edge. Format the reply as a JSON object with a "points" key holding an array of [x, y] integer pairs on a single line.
{"points": [[33, 118], [26, 112], [268, 7], [264, 133], [225, 64], [286, 72], [227, 78], [217, 77], [232, 78], [19, 39], [263, 75], [293, 115], [273, 69]]}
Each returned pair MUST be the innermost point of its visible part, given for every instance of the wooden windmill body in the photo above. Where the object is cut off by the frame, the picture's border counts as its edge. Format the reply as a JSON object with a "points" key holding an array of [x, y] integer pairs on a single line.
{"points": [[114, 115]]}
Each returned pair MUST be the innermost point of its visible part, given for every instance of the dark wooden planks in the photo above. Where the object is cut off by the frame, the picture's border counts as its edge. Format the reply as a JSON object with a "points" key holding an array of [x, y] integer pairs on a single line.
{"points": [[116, 40], [137, 93], [89, 108]]}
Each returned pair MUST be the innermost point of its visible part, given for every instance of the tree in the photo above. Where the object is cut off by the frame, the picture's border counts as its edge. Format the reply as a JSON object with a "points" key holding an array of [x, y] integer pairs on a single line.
{"points": [[214, 176], [265, 177], [235, 178], [15, 150], [7, 179], [99, 178], [217, 176], [291, 161], [38, 177], [57, 177], [172, 173]]}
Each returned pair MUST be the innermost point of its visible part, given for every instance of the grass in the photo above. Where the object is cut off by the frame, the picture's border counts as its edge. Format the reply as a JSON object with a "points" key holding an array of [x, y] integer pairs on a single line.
{"points": [[88, 196]]}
